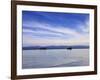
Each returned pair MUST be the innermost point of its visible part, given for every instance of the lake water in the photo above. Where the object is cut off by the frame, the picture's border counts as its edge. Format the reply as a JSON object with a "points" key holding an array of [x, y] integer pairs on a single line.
{"points": [[55, 58]]}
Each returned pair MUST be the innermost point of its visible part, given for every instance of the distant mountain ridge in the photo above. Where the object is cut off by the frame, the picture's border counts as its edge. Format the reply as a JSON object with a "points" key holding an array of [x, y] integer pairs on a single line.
{"points": [[55, 47]]}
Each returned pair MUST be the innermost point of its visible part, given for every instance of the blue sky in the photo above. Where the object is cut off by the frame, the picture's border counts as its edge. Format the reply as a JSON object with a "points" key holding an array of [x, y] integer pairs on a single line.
{"points": [[55, 28]]}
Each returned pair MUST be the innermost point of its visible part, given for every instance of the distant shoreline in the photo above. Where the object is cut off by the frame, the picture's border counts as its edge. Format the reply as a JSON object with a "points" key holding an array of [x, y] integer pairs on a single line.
{"points": [[54, 47]]}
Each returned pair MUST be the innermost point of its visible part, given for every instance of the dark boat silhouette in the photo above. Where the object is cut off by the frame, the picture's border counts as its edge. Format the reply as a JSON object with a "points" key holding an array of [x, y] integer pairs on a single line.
{"points": [[43, 48], [70, 48]]}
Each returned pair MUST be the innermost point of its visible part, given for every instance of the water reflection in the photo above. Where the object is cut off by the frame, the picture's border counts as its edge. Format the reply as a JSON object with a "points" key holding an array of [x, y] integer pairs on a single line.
{"points": [[55, 58]]}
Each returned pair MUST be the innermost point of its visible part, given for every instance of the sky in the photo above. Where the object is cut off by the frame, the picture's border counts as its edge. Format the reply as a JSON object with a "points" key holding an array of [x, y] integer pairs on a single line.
{"points": [[54, 28]]}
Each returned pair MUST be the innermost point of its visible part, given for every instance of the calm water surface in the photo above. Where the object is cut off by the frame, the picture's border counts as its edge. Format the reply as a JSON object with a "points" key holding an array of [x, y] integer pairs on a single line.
{"points": [[55, 58]]}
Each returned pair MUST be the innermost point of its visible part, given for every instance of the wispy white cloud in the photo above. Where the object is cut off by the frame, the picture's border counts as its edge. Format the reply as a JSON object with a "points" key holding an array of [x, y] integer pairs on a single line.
{"points": [[51, 29], [84, 27], [61, 33]]}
